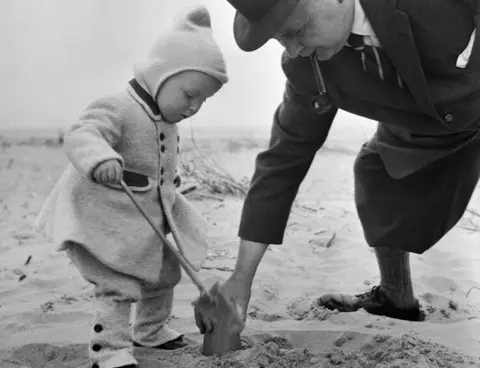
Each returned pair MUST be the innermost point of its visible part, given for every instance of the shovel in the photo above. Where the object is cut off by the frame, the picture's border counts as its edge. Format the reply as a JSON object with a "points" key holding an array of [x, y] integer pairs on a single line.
{"points": [[212, 303]]}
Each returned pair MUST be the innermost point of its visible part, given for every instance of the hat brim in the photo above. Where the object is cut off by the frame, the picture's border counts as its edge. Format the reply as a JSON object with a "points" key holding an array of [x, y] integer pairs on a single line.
{"points": [[250, 36]]}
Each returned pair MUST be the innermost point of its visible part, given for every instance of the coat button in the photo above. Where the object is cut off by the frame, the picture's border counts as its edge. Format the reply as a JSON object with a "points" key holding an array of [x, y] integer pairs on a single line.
{"points": [[95, 365], [161, 182], [177, 181], [162, 136], [96, 347], [178, 138], [162, 148], [321, 105], [98, 328], [448, 118], [162, 171]]}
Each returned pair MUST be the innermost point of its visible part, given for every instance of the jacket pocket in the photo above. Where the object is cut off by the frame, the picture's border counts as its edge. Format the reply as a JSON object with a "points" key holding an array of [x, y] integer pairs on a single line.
{"points": [[135, 182]]}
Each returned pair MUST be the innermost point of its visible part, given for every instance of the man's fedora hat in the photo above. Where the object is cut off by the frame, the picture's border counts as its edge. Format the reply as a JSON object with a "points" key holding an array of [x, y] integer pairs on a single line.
{"points": [[256, 21]]}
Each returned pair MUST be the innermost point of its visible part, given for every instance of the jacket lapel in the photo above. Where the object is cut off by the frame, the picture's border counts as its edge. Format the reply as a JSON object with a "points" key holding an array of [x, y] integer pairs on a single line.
{"points": [[392, 28]]}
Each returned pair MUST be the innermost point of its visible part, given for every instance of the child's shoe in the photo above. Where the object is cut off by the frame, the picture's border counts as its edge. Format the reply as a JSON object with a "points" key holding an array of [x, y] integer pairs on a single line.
{"points": [[174, 344]]}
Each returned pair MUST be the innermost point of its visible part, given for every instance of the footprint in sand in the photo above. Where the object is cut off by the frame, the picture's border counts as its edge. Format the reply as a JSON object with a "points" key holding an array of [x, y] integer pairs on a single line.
{"points": [[443, 310]]}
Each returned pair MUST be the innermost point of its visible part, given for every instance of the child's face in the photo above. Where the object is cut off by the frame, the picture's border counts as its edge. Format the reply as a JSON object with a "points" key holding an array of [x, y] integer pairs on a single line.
{"points": [[182, 95]]}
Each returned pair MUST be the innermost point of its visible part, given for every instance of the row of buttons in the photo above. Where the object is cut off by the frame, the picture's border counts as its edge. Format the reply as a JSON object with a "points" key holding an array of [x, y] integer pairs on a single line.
{"points": [[176, 181], [97, 347], [162, 149], [162, 137]]}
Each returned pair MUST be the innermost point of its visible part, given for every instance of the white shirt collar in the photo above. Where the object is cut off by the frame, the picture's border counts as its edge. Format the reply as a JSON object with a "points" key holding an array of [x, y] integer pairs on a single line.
{"points": [[361, 25]]}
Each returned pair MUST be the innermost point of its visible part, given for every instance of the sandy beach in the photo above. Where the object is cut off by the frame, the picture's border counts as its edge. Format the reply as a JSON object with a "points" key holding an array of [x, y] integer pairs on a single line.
{"points": [[46, 306]]}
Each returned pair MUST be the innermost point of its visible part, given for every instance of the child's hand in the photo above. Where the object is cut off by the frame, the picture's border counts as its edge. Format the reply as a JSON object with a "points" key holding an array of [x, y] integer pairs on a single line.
{"points": [[108, 172]]}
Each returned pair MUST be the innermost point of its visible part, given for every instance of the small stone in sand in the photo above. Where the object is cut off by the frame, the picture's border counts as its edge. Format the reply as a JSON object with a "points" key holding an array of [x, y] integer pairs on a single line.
{"points": [[452, 305], [19, 273]]}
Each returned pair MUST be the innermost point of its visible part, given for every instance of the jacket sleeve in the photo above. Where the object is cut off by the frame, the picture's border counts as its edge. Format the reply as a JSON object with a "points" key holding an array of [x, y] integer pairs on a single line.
{"points": [[297, 133], [92, 138]]}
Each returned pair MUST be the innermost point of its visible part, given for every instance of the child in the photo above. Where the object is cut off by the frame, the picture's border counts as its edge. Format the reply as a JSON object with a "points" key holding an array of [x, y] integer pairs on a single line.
{"points": [[133, 135]]}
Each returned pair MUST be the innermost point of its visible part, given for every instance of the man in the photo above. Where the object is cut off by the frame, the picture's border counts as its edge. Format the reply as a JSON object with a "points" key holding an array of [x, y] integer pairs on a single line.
{"points": [[414, 66]]}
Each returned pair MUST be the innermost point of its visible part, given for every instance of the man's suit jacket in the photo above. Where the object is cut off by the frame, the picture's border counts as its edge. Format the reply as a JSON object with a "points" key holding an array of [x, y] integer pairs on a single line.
{"points": [[439, 108], [436, 113]]}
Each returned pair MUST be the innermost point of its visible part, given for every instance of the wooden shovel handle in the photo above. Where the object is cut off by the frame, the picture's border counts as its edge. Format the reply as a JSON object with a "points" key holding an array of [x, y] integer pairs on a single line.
{"points": [[177, 254]]}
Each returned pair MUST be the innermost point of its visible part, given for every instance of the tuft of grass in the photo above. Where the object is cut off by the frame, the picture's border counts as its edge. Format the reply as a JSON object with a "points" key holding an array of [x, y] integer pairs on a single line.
{"points": [[207, 172]]}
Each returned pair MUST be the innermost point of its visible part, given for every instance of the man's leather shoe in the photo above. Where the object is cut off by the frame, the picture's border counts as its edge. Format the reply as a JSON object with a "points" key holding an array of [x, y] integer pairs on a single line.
{"points": [[374, 302]]}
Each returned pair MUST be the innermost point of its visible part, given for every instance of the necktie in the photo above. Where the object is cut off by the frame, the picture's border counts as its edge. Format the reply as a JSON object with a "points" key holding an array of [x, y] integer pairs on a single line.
{"points": [[374, 61]]}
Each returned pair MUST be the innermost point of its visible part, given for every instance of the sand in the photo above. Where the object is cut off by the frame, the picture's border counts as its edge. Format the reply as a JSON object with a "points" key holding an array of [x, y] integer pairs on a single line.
{"points": [[46, 306]]}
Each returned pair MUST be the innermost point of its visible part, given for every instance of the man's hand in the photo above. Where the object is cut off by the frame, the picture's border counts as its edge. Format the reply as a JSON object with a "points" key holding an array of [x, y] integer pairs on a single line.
{"points": [[239, 285], [108, 172], [235, 289]]}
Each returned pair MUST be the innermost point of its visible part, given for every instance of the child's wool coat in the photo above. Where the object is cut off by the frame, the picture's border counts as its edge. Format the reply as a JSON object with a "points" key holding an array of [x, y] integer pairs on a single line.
{"points": [[103, 219]]}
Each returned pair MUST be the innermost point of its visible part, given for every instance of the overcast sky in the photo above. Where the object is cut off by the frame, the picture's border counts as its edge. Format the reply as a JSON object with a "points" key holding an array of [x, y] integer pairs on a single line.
{"points": [[56, 55]]}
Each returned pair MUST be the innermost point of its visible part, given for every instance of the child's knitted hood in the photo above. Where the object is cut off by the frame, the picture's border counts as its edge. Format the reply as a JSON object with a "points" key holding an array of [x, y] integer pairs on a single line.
{"points": [[187, 45]]}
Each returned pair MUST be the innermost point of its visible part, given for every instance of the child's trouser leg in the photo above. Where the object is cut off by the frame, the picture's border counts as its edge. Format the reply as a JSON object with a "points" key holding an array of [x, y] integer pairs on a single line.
{"points": [[150, 325], [111, 345], [155, 307]]}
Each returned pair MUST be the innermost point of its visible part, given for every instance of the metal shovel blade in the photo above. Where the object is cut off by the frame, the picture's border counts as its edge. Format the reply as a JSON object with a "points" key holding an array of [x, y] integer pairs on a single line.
{"points": [[225, 336]]}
